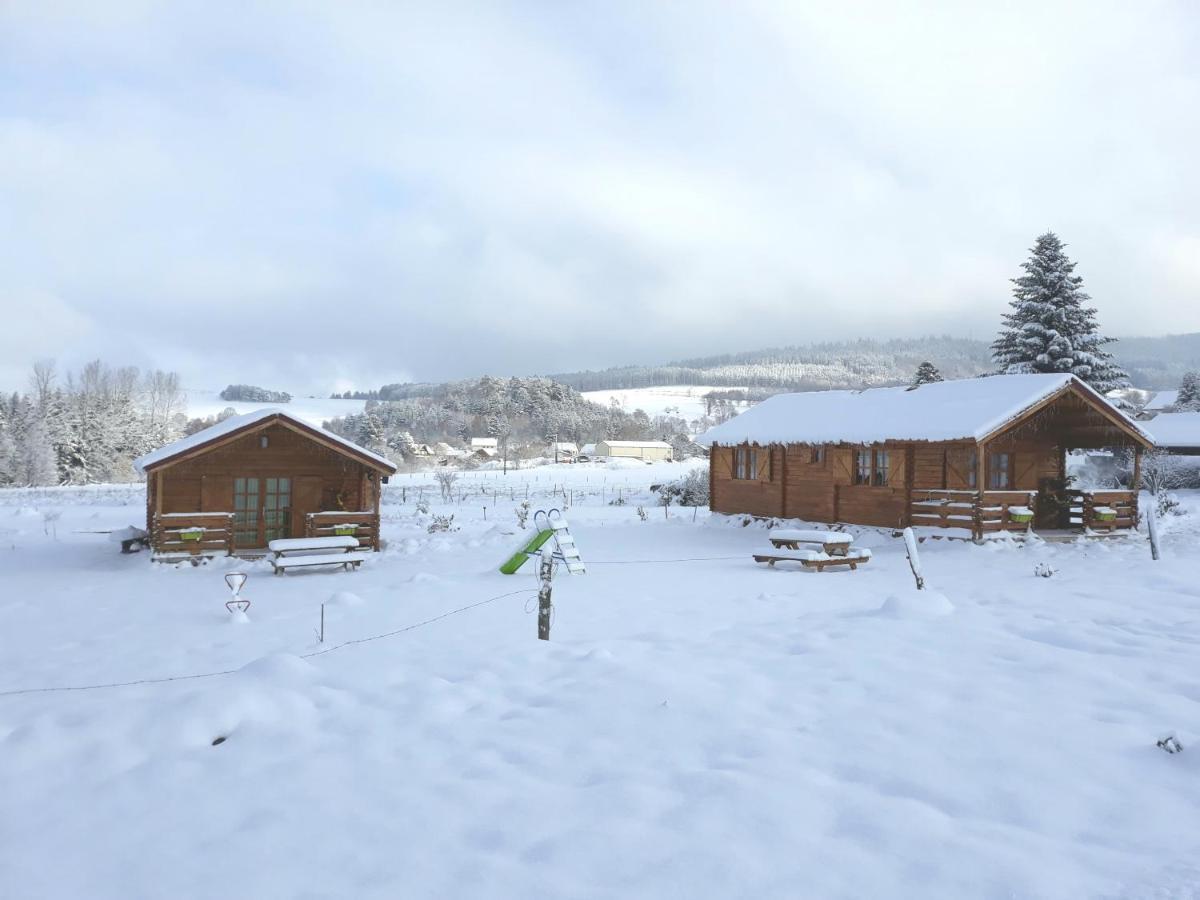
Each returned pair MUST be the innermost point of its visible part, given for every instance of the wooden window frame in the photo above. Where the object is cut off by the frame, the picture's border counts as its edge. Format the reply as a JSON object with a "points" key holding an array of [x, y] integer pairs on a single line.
{"points": [[994, 470], [973, 468], [816, 454], [866, 467], [881, 467], [746, 463]]}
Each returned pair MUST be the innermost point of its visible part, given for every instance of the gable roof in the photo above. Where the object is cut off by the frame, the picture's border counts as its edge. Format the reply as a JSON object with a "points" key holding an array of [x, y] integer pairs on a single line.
{"points": [[1161, 400], [966, 409], [237, 426], [1177, 430]]}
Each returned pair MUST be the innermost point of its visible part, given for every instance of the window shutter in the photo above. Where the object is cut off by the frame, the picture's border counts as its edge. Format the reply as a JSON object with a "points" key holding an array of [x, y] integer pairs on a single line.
{"points": [[1025, 471], [843, 464], [956, 468], [897, 463], [764, 464]]}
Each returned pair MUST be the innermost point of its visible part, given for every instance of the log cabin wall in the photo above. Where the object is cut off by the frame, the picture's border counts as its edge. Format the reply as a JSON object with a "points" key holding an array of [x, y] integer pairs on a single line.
{"points": [[809, 491], [885, 506], [761, 495], [322, 479]]}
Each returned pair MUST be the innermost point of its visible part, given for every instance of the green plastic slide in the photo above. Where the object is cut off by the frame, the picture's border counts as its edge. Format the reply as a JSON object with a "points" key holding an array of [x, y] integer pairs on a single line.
{"points": [[518, 559]]}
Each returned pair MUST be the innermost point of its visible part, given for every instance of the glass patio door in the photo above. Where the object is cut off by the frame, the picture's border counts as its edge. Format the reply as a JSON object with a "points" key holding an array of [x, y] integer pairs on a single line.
{"points": [[262, 510]]}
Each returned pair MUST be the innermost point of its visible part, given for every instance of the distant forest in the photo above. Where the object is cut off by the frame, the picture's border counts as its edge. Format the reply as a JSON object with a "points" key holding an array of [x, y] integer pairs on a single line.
{"points": [[1157, 363]]}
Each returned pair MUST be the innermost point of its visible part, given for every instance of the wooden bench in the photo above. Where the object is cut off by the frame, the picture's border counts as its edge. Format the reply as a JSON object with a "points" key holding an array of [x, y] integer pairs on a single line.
{"points": [[812, 559], [295, 553], [833, 543]]}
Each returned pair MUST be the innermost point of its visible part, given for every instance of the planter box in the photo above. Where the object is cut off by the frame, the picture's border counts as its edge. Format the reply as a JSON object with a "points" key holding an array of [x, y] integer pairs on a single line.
{"points": [[1022, 515], [192, 534], [345, 530]]}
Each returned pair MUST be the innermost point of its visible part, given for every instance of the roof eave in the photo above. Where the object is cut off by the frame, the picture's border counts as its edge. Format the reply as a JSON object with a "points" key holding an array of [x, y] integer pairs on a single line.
{"points": [[257, 425]]}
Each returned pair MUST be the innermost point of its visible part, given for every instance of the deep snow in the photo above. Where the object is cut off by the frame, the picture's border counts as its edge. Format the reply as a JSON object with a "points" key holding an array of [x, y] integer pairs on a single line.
{"points": [[708, 728]]}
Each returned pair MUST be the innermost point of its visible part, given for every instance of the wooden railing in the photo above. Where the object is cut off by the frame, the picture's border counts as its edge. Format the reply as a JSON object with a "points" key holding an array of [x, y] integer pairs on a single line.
{"points": [[995, 511], [974, 511], [944, 509], [171, 534], [1085, 506], [362, 525]]}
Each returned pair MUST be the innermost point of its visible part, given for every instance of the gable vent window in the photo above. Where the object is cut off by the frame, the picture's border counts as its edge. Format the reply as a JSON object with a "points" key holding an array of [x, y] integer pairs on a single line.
{"points": [[264, 442]]}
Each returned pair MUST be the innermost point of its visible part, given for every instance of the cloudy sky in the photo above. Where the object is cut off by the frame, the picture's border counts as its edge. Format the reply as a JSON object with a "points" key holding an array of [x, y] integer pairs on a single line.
{"points": [[318, 196]]}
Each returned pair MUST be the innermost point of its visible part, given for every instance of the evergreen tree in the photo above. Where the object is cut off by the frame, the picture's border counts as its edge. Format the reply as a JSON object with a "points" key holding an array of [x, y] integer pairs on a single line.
{"points": [[1188, 399], [927, 373], [1050, 328]]}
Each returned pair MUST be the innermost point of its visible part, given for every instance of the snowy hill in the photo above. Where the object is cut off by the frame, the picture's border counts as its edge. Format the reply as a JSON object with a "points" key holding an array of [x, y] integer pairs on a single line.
{"points": [[1152, 362], [315, 410]]}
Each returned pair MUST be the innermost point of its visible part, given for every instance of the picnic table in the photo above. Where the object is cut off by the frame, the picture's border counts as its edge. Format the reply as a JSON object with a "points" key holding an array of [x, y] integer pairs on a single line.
{"points": [[292, 553], [131, 538], [816, 559], [833, 543]]}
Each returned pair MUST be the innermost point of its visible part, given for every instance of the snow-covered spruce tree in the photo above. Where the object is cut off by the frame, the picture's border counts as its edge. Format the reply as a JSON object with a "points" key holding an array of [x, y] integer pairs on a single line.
{"points": [[1188, 399], [1050, 328], [927, 373]]}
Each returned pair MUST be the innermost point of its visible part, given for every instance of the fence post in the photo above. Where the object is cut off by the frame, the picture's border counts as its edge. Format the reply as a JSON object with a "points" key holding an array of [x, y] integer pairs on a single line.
{"points": [[546, 574], [914, 559]]}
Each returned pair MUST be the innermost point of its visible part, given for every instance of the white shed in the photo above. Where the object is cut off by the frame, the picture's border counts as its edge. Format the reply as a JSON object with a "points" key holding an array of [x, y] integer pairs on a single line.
{"points": [[651, 451]]}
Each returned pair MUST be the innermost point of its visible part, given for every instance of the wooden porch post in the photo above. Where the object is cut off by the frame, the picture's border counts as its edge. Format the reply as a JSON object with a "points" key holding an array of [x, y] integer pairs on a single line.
{"points": [[981, 482], [1136, 484], [712, 479], [783, 467]]}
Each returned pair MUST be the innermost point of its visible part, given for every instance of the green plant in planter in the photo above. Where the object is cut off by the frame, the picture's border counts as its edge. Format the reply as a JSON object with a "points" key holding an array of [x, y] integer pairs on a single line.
{"points": [[1105, 515], [345, 530], [191, 534]]}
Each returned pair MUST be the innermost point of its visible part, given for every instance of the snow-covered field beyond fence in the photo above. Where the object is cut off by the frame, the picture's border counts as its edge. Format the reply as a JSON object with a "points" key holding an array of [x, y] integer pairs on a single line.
{"points": [[698, 725]]}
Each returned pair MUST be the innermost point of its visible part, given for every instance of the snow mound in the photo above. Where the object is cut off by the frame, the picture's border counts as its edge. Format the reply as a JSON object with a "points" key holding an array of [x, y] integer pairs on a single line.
{"points": [[914, 604], [345, 598], [280, 667]]}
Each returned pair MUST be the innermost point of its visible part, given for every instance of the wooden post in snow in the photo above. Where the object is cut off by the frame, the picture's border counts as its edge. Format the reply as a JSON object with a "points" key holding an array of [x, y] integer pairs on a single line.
{"points": [[546, 575], [914, 559]]}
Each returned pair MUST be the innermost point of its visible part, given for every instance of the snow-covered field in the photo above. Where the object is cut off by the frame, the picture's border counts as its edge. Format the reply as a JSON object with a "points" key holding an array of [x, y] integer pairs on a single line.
{"points": [[698, 726], [684, 400], [314, 410]]}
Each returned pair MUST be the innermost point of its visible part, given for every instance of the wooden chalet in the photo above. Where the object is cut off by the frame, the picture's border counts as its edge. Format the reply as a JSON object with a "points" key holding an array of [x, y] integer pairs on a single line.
{"points": [[976, 455], [253, 478]]}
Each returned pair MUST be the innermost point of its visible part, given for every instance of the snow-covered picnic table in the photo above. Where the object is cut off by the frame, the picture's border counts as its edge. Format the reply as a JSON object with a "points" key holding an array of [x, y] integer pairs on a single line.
{"points": [[288, 553], [832, 542], [816, 559], [131, 538]]}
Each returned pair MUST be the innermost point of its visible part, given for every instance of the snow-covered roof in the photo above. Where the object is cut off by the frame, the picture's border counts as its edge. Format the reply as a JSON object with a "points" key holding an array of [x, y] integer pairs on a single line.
{"points": [[246, 421], [966, 409], [661, 445], [484, 442], [1161, 400], [1176, 429], [565, 447]]}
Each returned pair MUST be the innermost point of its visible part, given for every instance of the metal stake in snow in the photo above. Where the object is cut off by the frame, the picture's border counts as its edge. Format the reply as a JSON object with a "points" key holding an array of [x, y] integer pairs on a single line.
{"points": [[546, 576], [236, 580], [914, 559], [1152, 528]]}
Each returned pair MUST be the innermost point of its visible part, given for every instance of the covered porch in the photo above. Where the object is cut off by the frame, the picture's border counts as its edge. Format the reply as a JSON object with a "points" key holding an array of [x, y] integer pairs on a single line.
{"points": [[1017, 481]]}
